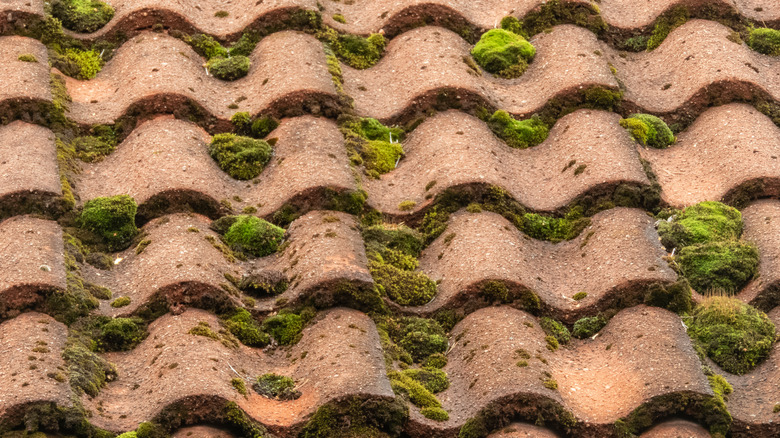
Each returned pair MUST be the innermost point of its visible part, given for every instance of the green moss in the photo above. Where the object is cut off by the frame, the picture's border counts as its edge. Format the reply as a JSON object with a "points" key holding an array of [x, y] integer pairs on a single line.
{"points": [[372, 144], [80, 64], [433, 379], [262, 126], [357, 418], [474, 428], [495, 291], [436, 360], [555, 329], [720, 386], [413, 390], [555, 12], [550, 384], [675, 297], [244, 327], [396, 237], [84, 16], [579, 296], [420, 337], [276, 386], [552, 343], [121, 302], [649, 130], [239, 385], [734, 335], [519, 134], [588, 326], [91, 149], [554, 229], [207, 46], [254, 236], [285, 328], [434, 413], [237, 419], [406, 205], [359, 52], [503, 53], [148, 429], [229, 69], [765, 40], [667, 23], [339, 18], [87, 371], [245, 45], [241, 157], [705, 222], [120, 334], [407, 288], [111, 218], [221, 14], [27, 57], [719, 266]]}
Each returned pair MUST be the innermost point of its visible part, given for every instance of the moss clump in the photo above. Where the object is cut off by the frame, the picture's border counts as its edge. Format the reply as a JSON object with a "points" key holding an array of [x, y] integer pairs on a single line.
{"points": [[87, 371], [111, 218], [358, 418], [519, 134], [121, 302], [91, 149], [381, 156], [765, 40], [359, 52], [495, 291], [503, 53], [81, 64], [734, 335], [675, 297], [259, 127], [412, 390], [420, 337], [436, 360], [27, 57], [395, 237], [82, 15], [254, 236], [649, 130], [718, 266], [434, 413], [229, 69], [555, 329], [285, 327], [665, 24], [244, 327], [372, 144], [207, 46], [120, 334], [241, 157], [588, 326], [276, 386], [705, 222], [579, 296], [433, 379], [554, 229], [407, 288], [239, 385], [339, 18]]}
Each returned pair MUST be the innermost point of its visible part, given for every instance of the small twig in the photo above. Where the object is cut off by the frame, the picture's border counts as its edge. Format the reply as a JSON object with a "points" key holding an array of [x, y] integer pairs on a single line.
{"points": [[234, 370]]}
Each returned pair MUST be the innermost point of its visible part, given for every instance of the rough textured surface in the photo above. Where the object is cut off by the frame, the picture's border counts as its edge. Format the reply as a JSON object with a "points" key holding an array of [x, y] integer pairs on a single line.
{"points": [[23, 82], [676, 429], [614, 259], [762, 225]]}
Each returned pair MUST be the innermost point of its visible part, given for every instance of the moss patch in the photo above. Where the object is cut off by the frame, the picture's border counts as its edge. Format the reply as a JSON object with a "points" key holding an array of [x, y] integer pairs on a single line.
{"points": [[519, 134], [765, 40], [734, 335], [503, 53], [276, 387], [719, 266], [27, 57], [84, 16], [254, 236], [244, 327], [705, 222], [120, 334], [229, 69], [667, 23], [258, 127], [372, 144], [241, 157], [121, 302], [91, 149], [555, 329], [588, 326], [285, 328], [111, 218], [358, 52], [649, 130]]}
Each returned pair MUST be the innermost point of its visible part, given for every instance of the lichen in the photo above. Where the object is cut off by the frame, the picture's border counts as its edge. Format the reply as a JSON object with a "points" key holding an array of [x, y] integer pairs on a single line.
{"points": [[241, 157], [503, 53]]}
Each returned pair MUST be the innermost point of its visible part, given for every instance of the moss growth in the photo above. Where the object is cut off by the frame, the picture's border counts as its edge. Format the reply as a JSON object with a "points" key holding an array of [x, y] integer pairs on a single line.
{"points": [[734, 335], [120, 334], [91, 149], [665, 24], [357, 418], [254, 236], [519, 134], [503, 53], [276, 386], [84, 16], [78, 63], [765, 40], [434, 413], [339, 18], [359, 52], [229, 69], [720, 386], [649, 130], [27, 57], [588, 326], [259, 127], [555, 12], [406, 205], [121, 302], [675, 297], [206, 46], [718, 266], [111, 218], [372, 144], [433, 379], [241, 157], [579, 296], [495, 291], [705, 222], [436, 360], [395, 237], [221, 14], [412, 390], [244, 327], [420, 337], [555, 329], [246, 427], [87, 371], [407, 288], [239, 385], [285, 327]]}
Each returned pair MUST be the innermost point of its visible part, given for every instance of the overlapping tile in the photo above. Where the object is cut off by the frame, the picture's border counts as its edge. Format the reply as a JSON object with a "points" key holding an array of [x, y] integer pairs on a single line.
{"points": [[762, 225], [338, 356], [165, 166], [614, 260], [454, 149], [31, 262], [25, 84], [155, 73]]}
